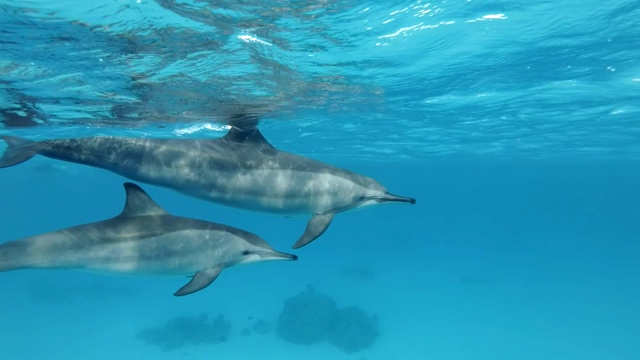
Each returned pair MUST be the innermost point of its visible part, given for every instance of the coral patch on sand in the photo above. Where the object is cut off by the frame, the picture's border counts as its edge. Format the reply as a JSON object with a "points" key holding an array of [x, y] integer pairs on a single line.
{"points": [[185, 330], [308, 317]]}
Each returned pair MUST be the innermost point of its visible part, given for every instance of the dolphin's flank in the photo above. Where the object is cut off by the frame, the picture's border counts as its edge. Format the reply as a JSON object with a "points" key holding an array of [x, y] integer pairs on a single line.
{"points": [[143, 240], [241, 169]]}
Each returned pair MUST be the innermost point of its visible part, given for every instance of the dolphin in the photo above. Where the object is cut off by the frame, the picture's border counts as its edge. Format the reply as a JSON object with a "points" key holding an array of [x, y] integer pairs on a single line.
{"points": [[241, 169], [143, 240]]}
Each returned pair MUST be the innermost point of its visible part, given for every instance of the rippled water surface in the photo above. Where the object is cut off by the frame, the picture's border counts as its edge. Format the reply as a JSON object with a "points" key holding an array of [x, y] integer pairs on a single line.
{"points": [[414, 79], [515, 125]]}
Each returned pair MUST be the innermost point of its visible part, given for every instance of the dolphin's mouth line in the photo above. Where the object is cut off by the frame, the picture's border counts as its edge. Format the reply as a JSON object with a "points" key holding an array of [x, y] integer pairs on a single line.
{"points": [[276, 255], [393, 198]]}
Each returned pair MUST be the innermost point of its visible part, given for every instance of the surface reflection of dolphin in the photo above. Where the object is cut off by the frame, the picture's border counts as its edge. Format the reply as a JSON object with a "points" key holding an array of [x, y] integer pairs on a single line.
{"points": [[240, 169], [142, 240]]}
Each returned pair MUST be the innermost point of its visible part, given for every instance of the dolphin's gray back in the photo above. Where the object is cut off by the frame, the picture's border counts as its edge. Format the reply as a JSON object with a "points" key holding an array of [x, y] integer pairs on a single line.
{"points": [[128, 155]]}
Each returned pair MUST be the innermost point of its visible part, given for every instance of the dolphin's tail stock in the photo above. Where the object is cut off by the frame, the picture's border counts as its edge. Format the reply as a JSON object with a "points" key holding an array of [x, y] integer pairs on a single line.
{"points": [[18, 150], [9, 256]]}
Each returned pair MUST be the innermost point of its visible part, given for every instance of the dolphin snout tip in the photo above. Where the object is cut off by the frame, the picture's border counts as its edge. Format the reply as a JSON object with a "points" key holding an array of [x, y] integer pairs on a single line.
{"points": [[396, 198], [287, 256]]}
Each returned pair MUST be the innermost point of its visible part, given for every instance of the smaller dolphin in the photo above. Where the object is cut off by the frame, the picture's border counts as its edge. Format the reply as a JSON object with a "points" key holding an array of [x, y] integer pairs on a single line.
{"points": [[143, 240]]}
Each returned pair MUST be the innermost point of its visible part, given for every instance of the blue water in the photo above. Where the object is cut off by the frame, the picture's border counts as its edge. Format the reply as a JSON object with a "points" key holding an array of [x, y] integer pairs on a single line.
{"points": [[515, 125]]}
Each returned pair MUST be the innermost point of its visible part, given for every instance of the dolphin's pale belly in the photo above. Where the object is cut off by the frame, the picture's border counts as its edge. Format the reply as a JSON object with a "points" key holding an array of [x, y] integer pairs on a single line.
{"points": [[269, 190], [284, 191], [177, 253]]}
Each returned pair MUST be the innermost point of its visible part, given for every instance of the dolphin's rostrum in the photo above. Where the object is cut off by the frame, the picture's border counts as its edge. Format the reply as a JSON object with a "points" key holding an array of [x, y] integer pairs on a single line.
{"points": [[143, 240], [240, 169]]}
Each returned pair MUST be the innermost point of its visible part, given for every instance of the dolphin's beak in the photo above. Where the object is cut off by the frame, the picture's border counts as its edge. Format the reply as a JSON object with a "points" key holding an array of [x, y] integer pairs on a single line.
{"points": [[276, 255], [394, 198]]}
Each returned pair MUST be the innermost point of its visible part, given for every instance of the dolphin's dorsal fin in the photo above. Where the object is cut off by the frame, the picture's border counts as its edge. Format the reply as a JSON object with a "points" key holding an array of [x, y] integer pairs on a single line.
{"points": [[244, 129], [139, 203]]}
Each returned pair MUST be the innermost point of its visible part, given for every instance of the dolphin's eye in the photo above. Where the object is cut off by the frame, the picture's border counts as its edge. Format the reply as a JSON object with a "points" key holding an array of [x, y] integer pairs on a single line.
{"points": [[246, 252]]}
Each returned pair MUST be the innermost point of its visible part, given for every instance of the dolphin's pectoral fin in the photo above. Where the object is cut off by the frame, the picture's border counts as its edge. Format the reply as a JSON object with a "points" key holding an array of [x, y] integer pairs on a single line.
{"points": [[200, 280], [315, 227]]}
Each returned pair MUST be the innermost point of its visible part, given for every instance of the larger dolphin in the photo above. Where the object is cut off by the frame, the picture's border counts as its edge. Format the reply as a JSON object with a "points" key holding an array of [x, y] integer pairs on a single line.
{"points": [[143, 240], [240, 169]]}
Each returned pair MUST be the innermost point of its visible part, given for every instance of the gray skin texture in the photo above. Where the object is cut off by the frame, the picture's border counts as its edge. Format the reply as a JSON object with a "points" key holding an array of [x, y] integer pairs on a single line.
{"points": [[143, 240], [240, 169]]}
